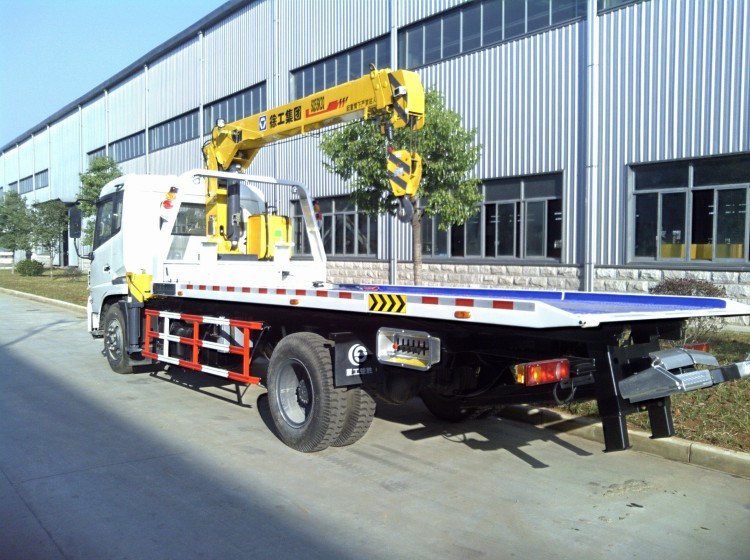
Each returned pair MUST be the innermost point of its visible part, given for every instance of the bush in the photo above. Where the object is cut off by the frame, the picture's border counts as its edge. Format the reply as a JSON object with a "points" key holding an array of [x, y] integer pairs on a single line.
{"points": [[71, 272], [698, 329], [30, 268]]}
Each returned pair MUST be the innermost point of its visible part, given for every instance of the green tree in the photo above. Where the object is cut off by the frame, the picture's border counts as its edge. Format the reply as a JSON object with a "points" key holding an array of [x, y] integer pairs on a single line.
{"points": [[15, 224], [100, 172], [50, 223], [449, 153]]}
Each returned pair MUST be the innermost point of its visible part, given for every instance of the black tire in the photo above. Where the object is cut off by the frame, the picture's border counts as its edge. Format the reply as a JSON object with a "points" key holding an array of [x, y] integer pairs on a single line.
{"points": [[445, 408], [307, 410], [360, 410], [115, 346]]}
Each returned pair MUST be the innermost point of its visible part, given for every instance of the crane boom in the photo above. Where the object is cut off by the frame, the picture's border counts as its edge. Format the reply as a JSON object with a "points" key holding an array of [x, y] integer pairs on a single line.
{"points": [[393, 98]]}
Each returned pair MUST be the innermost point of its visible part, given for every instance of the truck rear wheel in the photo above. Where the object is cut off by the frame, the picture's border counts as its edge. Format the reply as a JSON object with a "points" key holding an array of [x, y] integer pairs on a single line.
{"points": [[114, 340], [360, 410], [306, 408]]}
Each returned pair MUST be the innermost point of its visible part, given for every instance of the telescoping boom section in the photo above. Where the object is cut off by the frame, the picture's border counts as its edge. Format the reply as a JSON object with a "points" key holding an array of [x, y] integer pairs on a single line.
{"points": [[394, 99]]}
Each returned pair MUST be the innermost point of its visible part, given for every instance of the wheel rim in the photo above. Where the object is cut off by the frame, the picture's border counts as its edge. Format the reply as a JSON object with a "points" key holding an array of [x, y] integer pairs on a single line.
{"points": [[294, 393], [113, 340]]}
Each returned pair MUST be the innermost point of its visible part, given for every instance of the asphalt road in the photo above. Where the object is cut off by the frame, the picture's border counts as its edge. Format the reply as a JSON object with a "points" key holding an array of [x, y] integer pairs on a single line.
{"points": [[158, 465]]}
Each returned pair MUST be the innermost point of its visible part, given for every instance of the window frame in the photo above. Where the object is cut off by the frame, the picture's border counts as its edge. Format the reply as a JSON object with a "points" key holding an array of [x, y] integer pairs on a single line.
{"points": [[41, 179], [116, 198], [605, 6], [337, 214], [129, 147], [213, 110], [689, 192], [307, 76], [26, 185], [434, 239], [161, 135], [489, 35]]}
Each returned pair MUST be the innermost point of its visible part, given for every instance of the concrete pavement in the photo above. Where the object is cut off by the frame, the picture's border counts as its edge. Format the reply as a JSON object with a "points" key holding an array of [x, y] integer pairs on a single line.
{"points": [[166, 465]]}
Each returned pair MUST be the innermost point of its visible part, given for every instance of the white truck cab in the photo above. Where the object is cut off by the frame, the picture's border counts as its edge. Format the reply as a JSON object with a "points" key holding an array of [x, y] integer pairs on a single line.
{"points": [[156, 225]]}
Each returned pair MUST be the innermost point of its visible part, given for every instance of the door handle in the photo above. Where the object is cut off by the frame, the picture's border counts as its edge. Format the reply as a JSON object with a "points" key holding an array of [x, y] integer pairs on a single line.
{"points": [[106, 268]]}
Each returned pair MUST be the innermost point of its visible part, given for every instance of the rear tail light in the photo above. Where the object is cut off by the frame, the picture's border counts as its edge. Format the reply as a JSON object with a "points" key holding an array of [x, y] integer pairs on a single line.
{"points": [[539, 373], [699, 346]]}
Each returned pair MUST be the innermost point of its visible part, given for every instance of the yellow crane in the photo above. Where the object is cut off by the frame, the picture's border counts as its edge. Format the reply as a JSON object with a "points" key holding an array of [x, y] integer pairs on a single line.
{"points": [[394, 98]]}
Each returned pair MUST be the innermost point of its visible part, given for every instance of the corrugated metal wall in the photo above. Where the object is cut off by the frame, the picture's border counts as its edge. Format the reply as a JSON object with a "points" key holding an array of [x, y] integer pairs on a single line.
{"points": [[326, 27], [174, 83], [41, 150], [10, 166], [126, 109], [239, 51], [26, 158], [94, 125], [176, 159], [408, 12], [65, 156], [674, 83]]}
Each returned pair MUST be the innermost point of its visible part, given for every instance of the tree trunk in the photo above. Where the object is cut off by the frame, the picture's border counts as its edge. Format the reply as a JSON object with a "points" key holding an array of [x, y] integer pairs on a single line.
{"points": [[416, 244]]}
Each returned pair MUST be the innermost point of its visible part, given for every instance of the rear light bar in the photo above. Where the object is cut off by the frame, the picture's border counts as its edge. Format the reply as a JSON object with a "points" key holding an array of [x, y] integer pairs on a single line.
{"points": [[700, 346], [539, 373]]}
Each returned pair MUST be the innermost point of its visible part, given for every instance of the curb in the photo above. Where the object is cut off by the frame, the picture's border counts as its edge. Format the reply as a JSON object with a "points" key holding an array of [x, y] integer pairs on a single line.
{"points": [[40, 299], [674, 449]]}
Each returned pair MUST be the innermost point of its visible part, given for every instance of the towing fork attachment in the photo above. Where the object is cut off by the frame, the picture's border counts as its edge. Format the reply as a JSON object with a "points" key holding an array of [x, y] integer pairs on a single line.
{"points": [[670, 372]]}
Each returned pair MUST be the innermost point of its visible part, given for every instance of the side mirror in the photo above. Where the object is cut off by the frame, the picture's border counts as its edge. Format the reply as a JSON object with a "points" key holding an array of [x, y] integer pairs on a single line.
{"points": [[74, 222]]}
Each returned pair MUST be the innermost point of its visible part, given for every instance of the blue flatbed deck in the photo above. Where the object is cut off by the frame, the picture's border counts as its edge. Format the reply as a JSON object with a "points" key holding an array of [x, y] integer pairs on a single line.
{"points": [[561, 308], [572, 302]]}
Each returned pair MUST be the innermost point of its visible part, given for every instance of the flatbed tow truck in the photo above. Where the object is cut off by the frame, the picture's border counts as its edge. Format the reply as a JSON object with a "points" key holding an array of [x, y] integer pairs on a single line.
{"points": [[196, 271]]}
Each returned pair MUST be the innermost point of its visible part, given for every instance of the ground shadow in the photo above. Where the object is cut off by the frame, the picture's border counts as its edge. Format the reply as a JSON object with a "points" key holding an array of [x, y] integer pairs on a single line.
{"points": [[489, 433], [206, 384], [80, 481]]}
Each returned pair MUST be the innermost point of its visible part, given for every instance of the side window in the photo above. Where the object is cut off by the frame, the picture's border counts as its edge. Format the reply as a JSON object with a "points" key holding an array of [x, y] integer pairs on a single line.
{"points": [[521, 218], [108, 218], [344, 228], [691, 210], [191, 220]]}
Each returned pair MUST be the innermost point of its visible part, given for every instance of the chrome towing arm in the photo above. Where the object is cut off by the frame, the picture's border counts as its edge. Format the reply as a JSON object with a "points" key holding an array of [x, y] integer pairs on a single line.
{"points": [[674, 371]]}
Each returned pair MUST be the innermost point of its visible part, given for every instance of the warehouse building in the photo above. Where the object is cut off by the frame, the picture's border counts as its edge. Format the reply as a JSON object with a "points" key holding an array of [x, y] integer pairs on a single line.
{"points": [[615, 133]]}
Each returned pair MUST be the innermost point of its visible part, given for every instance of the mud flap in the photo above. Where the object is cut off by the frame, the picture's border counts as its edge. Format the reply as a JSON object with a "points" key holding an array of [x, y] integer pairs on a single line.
{"points": [[132, 312], [353, 361]]}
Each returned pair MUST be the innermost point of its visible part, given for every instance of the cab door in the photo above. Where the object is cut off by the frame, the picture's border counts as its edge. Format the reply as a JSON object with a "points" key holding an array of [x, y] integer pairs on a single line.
{"points": [[107, 253]]}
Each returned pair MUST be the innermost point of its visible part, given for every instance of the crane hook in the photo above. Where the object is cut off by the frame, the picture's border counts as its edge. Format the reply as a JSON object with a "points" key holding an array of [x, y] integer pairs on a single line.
{"points": [[405, 210]]}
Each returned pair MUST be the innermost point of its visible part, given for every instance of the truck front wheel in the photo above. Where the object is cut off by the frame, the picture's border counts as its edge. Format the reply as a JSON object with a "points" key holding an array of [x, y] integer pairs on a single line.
{"points": [[307, 410], [114, 340]]}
